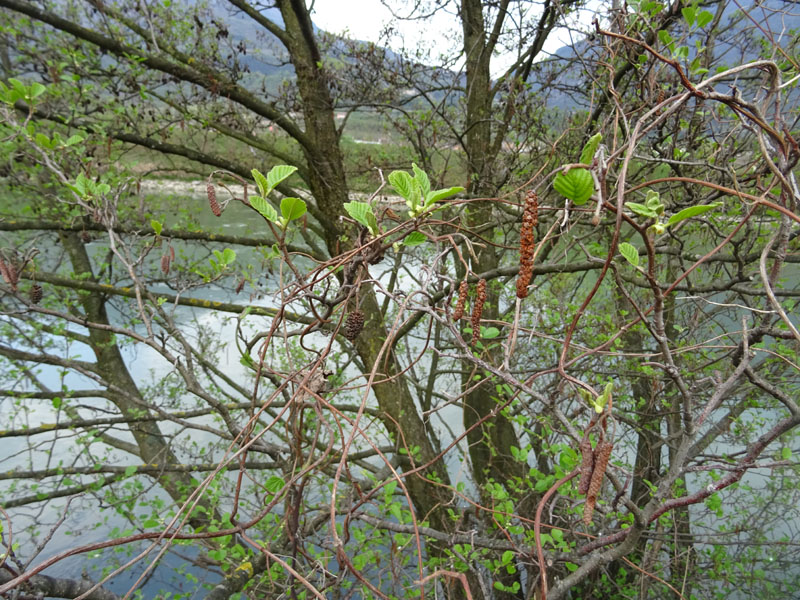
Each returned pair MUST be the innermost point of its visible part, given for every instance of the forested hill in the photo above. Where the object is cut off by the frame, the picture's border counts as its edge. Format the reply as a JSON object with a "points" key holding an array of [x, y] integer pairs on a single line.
{"points": [[740, 37]]}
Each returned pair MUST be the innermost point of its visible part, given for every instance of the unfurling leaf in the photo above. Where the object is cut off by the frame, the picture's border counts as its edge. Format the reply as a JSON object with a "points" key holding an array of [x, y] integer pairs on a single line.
{"points": [[362, 212], [261, 182], [277, 174], [402, 183], [587, 154], [265, 208], [436, 195], [630, 253], [576, 185], [642, 210], [415, 238], [228, 256], [421, 179], [692, 211]]}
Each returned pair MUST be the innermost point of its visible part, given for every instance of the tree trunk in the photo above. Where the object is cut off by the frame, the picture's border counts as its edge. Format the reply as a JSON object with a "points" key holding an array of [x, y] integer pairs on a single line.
{"points": [[152, 445]]}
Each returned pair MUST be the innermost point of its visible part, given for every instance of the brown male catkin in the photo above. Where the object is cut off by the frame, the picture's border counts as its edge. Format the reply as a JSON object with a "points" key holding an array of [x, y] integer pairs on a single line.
{"points": [[463, 290], [477, 310], [9, 273], [587, 465], [4, 271], [166, 259], [602, 454], [212, 200], [527, 243]]}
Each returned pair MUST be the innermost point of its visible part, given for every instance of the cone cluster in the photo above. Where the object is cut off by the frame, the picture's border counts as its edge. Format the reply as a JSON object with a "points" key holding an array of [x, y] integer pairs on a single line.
{"points": [[354, 324], [36, 293]]}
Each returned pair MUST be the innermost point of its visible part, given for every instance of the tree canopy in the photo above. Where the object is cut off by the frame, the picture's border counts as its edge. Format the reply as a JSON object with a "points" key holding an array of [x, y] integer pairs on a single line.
{"points": [[286, 314]]}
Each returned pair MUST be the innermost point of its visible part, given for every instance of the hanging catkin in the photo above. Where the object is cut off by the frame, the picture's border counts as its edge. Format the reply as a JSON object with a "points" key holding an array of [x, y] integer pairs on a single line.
{"points": [[601, 456], [530, 218], [212, 199], [587, 465], [463, 290], [477, 310], [166, 260], [9, 273]]}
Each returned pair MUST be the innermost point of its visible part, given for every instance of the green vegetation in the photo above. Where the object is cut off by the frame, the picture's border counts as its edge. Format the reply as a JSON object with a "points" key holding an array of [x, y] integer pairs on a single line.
{"points": [[562, 365]]}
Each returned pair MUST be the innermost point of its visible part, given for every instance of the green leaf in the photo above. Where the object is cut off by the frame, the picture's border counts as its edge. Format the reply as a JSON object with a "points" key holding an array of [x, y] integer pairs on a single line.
{"points": [[641, 210], [18, 86], [261, 183], [274, 484], [81, 184], [292, 208], [422, 181], [692, 211], [57, 402], [576, 185], [437, 195], [629, 252], [157, 226], [396, 511], [372, 223], [358, 211], [36, 90], [415, 238], [402, 183], [264, 208], [714, 502], [704, 18], [587, 154], [43, 141], [130, 470], [277, 174], [228, 256], [689, 13], [74, 139], [507, 557], [786, 453], [489, 333], [665, 38]]}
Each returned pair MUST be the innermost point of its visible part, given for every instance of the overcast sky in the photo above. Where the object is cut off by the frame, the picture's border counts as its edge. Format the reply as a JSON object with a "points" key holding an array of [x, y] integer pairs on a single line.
{"points": [[366, 19]]}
